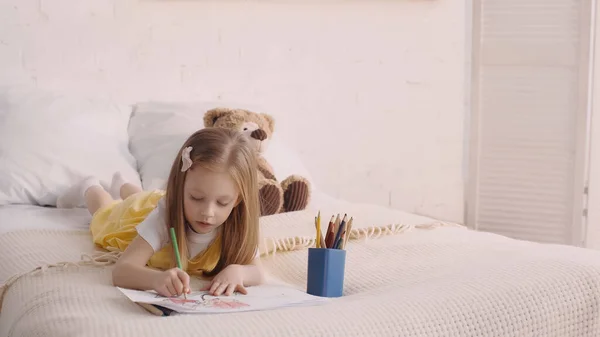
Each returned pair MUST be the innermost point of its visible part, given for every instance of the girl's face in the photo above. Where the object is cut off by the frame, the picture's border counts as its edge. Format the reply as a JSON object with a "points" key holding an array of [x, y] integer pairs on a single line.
{"points": [[208, 198]]}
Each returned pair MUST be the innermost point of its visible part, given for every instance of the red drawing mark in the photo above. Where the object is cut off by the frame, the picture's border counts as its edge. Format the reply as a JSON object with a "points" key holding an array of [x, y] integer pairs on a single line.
{"points": [[181, 300], [225, 304]]}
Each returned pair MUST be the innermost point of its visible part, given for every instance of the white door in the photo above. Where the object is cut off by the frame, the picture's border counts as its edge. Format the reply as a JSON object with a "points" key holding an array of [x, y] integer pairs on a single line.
{"points": [[593, 204], [527, 156]]}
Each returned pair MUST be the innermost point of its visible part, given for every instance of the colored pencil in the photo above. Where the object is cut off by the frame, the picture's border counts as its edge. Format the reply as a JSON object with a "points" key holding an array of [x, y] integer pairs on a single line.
{"points": [[336, 224], [338, 234], [334, 228], [319, 230], [320, 242], [176, 249], [347, 233], [341, 240], [344, 219], [151, 309], [317, 243], [341, 227], [329, 234]]}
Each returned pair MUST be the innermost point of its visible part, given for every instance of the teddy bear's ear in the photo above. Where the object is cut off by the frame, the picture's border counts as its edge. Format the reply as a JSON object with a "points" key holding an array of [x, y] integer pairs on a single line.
{"points": [[211, 116], [270, 120]]}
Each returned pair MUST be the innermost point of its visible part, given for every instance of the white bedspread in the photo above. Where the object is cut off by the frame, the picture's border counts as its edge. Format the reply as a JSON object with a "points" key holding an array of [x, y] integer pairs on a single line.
{"points": [[25, 217], [441, 281]]}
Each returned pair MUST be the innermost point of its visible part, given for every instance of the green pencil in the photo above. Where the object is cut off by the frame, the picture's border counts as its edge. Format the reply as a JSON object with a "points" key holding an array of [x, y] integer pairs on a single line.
{"points": [[176, 249]]}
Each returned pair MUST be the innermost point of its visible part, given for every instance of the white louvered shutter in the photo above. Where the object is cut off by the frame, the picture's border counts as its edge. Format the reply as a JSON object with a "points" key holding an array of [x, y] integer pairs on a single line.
{"points": [[529, 106]]}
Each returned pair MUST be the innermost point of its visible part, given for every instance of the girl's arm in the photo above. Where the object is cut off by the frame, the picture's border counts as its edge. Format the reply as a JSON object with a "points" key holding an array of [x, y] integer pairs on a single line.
{"points": [[131, 272], [253, 273], [236, 277]]}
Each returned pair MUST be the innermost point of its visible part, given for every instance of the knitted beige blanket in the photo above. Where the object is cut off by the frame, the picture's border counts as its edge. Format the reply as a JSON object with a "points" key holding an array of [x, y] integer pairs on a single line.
{"points": [[419, 279]]}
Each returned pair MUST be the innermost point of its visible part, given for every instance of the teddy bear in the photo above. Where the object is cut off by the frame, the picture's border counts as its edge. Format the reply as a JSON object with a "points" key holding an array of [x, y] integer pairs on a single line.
{"points": [[291, 194]]}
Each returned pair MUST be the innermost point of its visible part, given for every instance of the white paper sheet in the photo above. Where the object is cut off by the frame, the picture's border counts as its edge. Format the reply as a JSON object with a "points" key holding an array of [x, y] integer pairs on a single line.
{"points": [[262, 297]]}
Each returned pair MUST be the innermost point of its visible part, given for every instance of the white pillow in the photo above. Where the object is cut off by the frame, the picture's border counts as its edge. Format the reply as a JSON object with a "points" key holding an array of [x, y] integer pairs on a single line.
{"points": [[50, 141], [158, 129]]}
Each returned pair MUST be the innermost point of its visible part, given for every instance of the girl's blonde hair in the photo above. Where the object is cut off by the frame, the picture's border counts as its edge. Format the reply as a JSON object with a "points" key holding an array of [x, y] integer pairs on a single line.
{"points": [[217, 149]]}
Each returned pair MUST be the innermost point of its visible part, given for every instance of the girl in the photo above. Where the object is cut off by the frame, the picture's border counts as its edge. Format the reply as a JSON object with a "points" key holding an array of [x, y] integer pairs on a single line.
{"points": [[212, 202]]}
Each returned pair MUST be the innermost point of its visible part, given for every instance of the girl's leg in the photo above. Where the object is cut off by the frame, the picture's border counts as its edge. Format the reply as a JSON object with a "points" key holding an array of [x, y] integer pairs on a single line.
{"points": [[87, 192], [128, 189], [119, 187], [96, 197]]}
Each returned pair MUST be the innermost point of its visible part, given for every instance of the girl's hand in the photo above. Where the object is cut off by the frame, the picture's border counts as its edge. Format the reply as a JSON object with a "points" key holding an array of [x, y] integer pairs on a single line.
{"points": [[227, 281], [172, 282]]}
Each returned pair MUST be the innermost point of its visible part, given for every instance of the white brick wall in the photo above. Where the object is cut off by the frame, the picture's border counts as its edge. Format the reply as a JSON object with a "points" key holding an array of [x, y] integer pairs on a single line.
{"points": [[370, 93]]}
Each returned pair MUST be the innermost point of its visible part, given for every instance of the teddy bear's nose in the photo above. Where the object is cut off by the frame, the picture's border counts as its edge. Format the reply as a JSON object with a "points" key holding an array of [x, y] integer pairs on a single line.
{"points": [[259, 134]]}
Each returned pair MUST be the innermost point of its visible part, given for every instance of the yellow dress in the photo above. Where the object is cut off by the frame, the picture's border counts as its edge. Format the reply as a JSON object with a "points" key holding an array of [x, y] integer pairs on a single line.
{"points": [[113, 227]]}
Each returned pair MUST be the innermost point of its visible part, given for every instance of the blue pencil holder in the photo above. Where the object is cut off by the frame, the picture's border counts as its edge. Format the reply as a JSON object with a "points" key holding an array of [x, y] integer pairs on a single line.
{"points": [[326, 268]]}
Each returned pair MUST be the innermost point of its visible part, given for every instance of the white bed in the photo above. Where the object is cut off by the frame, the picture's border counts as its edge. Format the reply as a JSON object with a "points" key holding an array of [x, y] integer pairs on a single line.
{"points": [[28, 217], [406, 275], [432, 281]]}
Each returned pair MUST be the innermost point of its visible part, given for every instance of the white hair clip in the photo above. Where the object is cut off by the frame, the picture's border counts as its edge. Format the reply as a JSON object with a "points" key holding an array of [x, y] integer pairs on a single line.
{"points": [[186, 161]]}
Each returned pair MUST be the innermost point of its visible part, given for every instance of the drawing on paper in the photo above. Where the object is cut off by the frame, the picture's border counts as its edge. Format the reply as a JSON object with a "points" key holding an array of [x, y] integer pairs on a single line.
{"points": [[222, 302], [262, 297], [205, 301]]}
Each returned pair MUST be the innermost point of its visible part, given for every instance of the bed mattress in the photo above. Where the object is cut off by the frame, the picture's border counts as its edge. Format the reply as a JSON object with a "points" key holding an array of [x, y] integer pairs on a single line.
{"points": [[405, 276]]}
